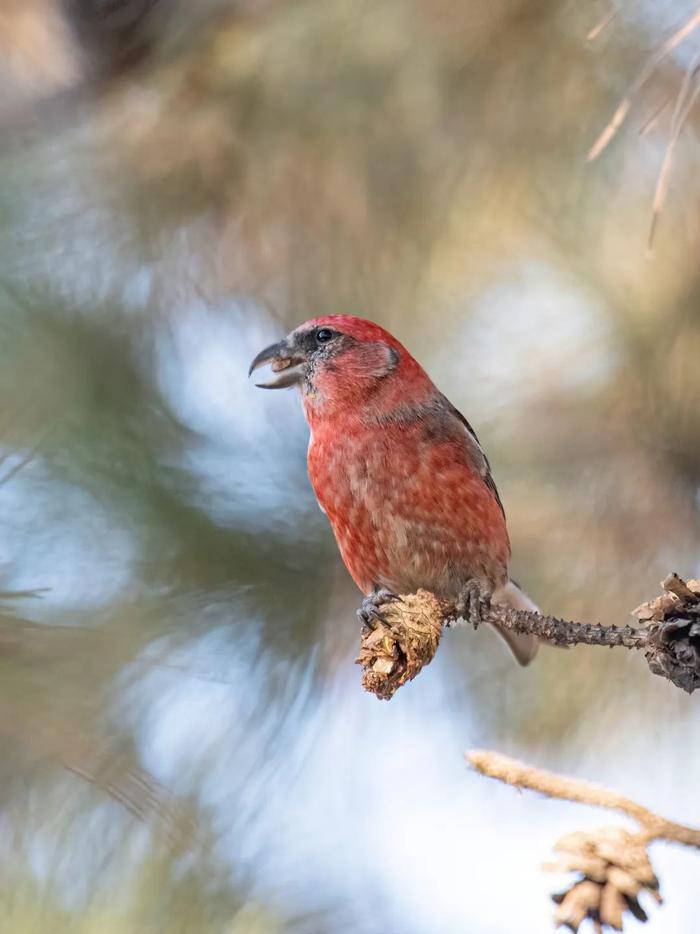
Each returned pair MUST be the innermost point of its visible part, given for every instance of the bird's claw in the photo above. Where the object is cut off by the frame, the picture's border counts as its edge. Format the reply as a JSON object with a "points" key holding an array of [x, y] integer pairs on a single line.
{"points": [[370, 611], [472, 600]]}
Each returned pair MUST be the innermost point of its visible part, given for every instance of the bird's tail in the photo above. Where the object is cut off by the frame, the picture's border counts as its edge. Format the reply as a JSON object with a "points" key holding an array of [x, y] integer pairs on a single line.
{"points": [[523, 646]]}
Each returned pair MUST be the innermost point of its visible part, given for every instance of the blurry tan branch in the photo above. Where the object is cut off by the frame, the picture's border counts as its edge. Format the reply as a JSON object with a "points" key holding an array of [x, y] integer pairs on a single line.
{"points": [[685, 100], [504, 769], [612, 864], [395, 650]]}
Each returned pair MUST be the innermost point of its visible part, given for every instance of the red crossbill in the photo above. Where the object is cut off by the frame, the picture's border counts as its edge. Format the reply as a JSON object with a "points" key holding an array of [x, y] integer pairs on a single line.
{"points": [[396, 468]]}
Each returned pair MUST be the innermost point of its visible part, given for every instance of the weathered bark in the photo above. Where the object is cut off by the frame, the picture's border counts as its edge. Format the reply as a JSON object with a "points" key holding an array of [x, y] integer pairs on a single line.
{"points": [[396, 649]]}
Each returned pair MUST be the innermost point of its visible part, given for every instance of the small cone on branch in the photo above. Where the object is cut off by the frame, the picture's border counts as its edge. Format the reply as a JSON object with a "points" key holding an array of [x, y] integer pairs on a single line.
{"points": [[677, 595], [395, 650], [674, 650], [613, 870]]}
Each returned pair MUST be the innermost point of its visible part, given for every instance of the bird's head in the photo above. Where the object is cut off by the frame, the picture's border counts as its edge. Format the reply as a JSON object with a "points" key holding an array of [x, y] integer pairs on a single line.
{"points": [[341, 361]]}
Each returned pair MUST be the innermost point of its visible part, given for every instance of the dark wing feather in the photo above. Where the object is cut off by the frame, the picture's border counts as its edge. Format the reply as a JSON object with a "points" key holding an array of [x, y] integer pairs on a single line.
{"points": [[486, 469], [439, 416]]}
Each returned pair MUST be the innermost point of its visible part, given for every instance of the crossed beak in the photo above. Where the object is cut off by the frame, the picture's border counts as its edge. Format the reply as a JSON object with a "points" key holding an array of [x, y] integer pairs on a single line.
{"points": [[284, 360]]}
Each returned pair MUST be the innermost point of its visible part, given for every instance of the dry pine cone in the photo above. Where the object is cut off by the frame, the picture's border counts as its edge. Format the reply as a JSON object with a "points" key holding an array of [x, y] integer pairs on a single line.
{"points": [[395, 650], [674, 651], [614, 869]]}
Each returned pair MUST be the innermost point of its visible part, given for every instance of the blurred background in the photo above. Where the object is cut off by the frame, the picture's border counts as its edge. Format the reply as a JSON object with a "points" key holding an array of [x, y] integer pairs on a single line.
{"points": [[185, 746]]}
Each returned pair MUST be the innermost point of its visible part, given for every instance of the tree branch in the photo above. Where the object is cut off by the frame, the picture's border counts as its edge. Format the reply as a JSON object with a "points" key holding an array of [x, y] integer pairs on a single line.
{"points": [[504, 769], [395, 649], [612, 865]]}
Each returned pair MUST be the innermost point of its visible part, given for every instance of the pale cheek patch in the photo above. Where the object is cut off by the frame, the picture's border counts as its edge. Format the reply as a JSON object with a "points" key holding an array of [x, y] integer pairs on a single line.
{"points": [[382, 360]]}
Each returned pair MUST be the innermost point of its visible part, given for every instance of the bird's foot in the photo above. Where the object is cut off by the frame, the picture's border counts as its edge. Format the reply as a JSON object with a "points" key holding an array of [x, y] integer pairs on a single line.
{"points": [[369, 613], [473, 599]]}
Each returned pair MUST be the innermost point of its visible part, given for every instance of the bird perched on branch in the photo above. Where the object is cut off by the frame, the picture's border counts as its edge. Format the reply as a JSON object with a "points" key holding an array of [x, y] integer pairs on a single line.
{"points": [[397, 469]]}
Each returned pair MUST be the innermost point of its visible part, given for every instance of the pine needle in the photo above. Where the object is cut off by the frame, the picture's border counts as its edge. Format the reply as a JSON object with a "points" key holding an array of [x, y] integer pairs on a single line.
{"points": [[625, 105]]}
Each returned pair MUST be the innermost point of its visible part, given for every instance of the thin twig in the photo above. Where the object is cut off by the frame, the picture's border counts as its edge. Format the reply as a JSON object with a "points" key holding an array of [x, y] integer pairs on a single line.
{"points": [[623, 108], [684, 104], [519, 775], [602, 25], [653, 118]]}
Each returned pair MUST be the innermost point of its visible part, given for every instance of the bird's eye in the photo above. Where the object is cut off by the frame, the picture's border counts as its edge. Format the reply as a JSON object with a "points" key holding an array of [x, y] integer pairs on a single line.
{"points": [[323, 335]]}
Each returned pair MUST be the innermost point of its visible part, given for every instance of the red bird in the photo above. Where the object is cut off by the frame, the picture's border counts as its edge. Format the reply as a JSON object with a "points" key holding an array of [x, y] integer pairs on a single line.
{"points": [[396, 468]]}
